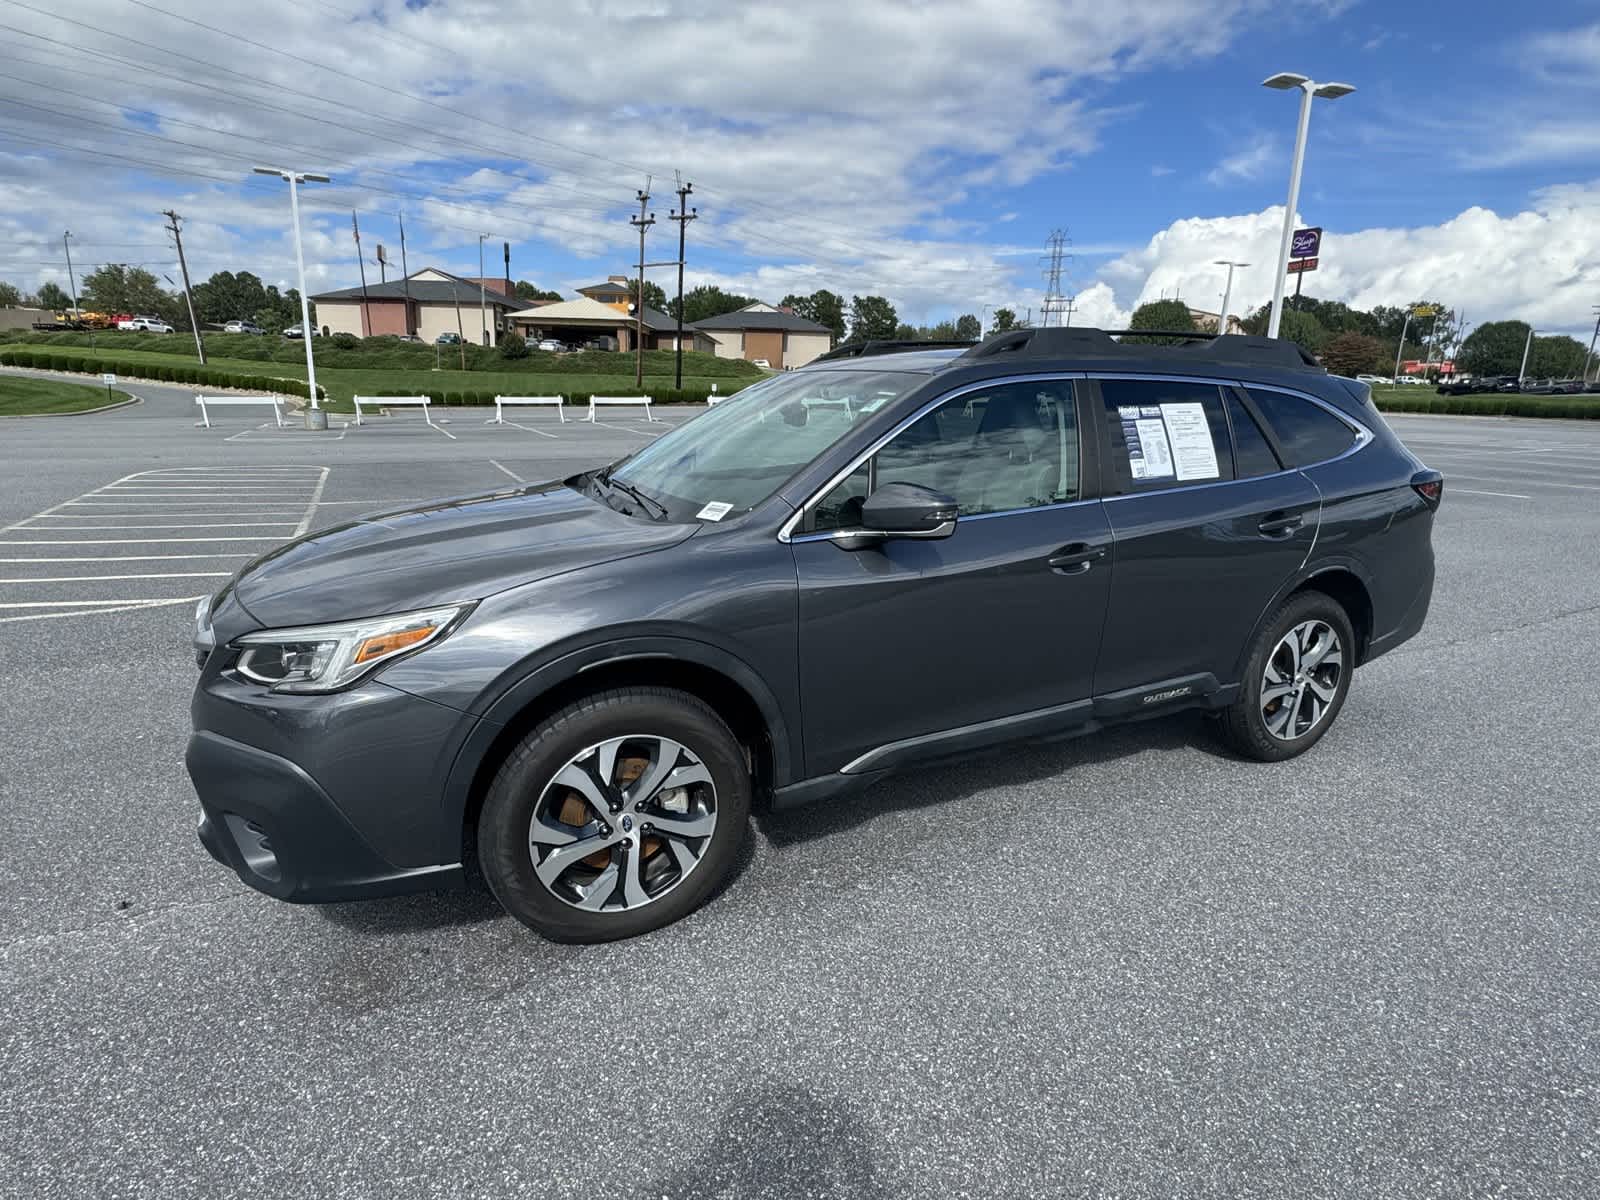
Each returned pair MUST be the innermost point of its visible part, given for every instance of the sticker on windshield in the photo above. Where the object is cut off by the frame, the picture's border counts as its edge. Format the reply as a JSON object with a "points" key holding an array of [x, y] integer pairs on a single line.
{"points": [[714, 511], [1194, 455]]}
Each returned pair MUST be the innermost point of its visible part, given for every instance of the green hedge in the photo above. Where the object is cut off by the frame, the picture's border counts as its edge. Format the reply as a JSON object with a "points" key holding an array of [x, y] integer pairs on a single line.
{"points": [[1498, 405], [201, 376]]}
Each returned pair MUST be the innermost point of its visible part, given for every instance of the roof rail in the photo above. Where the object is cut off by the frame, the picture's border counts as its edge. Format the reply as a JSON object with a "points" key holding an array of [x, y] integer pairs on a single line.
{"points": [[1086, 341], [864, 349]]}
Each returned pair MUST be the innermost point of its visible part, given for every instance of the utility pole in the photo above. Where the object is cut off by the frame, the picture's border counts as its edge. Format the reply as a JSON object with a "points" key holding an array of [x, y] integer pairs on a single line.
{"points": [[1592, 337], [366, 308], [683, 216], [1053, 299], [461, 336], [405, 274], [383, 265], [77, 315], [175, 230], [642, 223], [505, 248]]}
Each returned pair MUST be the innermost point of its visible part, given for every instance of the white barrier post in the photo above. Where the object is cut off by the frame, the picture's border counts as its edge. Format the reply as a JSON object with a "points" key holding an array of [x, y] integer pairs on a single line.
{"points": [[644, 400], [381, 401], [237, 402], [558, 401]]}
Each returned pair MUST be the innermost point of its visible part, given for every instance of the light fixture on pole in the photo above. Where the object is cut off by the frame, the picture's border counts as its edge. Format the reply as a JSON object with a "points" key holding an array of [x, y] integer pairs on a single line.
{"points": [[1227, 293], [315, 417], [1287, 81]]}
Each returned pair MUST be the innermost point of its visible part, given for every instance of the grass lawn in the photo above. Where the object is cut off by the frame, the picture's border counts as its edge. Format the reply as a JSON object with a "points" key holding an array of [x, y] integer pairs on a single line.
{"points": [[343, 382], [27, 397]]}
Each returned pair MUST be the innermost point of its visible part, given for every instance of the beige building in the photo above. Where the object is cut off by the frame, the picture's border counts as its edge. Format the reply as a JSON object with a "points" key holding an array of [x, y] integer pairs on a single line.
{"points": [[426, 303], [764, 332]]}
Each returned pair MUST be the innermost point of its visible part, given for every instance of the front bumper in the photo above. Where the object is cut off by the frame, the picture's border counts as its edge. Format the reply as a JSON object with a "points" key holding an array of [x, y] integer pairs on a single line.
{"points": [[266, 819]]}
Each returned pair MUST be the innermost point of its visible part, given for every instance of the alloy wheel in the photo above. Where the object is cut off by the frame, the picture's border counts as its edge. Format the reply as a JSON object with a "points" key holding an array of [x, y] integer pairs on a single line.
{"points": [[623, 823], [1301, 680]]}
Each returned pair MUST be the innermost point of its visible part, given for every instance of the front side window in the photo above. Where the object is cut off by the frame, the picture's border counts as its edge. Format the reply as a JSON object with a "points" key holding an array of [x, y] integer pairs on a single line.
{"points": [[1013, 446], [726, 461], [1163, 433], [1307, 432]]}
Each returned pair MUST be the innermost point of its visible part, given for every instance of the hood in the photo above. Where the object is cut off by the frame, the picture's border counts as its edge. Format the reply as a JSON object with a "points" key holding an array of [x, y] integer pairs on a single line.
{"points": [[445, 551]]}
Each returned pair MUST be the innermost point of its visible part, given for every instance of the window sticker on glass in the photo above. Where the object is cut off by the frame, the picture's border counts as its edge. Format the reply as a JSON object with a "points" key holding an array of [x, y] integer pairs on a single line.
{"points": [[714, 511], [1149, 455], [1194, 455]]}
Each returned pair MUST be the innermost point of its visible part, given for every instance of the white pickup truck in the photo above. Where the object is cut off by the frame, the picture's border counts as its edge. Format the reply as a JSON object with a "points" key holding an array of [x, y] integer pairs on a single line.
{"points": [[145, 325]]}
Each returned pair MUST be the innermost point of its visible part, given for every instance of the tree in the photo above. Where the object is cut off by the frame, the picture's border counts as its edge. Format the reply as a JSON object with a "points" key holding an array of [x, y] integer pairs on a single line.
{"points": [[1171, 315], [10, 297], [654, 297], [967, 328], [707, 300], [1355, 354], [1304, 329], [1557, 358], [906, 333], [944, 331], [229, 297], [1493, 348], [823, 307], [872, 318], [1005, 320], [51, 296], [513, 345], [118, 288], [531, 292]]}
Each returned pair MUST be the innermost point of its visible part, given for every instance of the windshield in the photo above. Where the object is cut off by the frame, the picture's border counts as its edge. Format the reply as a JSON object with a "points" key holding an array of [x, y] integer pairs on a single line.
{"points": [[731, 458]]}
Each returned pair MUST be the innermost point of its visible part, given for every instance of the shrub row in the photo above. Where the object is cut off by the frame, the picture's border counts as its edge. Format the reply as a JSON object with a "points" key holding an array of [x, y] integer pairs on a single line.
{"points": [[1507, 405], [202, 376]]}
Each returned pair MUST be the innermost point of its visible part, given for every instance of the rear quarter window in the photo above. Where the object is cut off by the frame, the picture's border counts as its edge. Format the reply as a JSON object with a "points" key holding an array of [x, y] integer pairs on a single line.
{"points": [[1307, 432]]}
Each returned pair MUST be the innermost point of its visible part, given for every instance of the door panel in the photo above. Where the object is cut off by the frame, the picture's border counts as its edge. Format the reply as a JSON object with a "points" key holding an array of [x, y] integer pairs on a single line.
{"points": [[914, 637]]}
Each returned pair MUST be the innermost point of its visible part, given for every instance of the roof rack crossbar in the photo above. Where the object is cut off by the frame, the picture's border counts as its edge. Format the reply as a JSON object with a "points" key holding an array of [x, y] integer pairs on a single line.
{"points": [[1083, 341], [889, 346]]}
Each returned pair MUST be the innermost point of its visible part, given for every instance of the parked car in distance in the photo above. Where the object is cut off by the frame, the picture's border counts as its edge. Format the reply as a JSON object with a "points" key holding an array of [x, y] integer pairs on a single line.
{"points": [[1374, 380], [1410, 380], [551, 345], [145, 325], [577, 689], [448, 339], [408, 337], [242, 327], [762, 363], [603, 342], [294, 331]]}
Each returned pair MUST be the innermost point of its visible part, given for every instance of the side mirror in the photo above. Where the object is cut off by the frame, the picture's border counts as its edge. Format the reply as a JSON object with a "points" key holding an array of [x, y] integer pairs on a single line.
{"points": [[902, 510]]}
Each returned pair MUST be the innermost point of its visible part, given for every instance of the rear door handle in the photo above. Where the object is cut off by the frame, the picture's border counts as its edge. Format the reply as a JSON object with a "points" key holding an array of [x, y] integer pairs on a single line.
{"points": [[1076, 558], [1280, 524]]}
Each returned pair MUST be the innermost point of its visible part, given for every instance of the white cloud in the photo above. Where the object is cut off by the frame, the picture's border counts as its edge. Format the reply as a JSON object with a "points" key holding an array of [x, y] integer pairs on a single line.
{"points": [[1243, 165], [1540, 265]]}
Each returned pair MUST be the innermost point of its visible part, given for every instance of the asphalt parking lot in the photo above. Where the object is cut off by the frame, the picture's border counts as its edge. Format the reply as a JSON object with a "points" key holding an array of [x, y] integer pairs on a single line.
{"points": [[1126, 965]]}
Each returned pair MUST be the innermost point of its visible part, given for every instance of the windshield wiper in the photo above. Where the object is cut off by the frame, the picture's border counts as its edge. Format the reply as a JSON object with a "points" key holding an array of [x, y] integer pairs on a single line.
{"points": [[634, 494]]}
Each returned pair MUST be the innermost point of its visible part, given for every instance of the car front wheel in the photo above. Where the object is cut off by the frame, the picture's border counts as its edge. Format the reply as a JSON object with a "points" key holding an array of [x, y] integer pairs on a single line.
{"points": [[1296, 680], [618, 815]]}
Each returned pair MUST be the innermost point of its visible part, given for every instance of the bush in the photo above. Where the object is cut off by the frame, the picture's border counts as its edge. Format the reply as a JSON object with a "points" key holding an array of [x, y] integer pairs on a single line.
{"points": [[452, 398], [346, 341], [513, 345]]}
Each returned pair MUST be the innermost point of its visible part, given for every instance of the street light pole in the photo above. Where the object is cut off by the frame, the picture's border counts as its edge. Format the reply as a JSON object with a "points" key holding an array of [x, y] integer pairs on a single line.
{"points": [[1285, 81], [483, 303], [1522, 371], [1227, 293], [315, 417], [1401, 349]]}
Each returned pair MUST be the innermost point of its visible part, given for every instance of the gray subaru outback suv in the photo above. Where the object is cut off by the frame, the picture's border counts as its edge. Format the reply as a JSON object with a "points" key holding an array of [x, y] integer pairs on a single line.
{"points": [[577, 690]]}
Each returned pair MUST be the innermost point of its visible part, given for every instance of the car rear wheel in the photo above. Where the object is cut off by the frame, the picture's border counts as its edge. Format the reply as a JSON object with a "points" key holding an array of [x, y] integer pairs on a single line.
{"points": [[618, 815], [1296, 680]]}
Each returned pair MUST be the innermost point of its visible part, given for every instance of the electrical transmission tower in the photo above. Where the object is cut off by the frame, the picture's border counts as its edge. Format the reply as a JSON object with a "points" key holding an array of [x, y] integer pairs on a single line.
{"points": [[1057, 309]]}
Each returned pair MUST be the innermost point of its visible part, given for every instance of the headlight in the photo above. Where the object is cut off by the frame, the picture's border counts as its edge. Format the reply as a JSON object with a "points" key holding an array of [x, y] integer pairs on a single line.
{"points": [[324, 658]]}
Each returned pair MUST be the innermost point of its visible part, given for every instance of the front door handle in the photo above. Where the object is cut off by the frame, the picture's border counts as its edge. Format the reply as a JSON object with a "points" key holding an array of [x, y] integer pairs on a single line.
{"points": [[1280, 524], [1076, 558]]}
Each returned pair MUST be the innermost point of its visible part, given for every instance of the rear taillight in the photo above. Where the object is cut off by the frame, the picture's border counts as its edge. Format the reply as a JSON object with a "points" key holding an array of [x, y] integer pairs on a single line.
{"points": [[1429, 485]]}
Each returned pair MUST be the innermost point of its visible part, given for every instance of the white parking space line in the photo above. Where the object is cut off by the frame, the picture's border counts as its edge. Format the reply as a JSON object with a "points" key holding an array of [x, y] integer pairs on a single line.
{"points": [[1522, 480], [164, 518], [527, 429], [1470, 492], [502, 467]]}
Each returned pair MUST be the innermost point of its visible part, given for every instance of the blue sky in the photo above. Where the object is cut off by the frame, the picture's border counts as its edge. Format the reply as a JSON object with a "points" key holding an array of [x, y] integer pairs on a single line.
{"points": [[924, 152]]}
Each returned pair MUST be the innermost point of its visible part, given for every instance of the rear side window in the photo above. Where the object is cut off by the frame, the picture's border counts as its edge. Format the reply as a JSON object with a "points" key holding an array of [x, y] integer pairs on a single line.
{"points": [[1307, 432], [1252, 453], [1163, 434]]}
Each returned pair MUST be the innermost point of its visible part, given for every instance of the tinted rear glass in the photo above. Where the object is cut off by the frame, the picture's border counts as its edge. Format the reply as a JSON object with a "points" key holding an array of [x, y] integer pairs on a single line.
{"points": [[1252, 455], [1307, 432]]}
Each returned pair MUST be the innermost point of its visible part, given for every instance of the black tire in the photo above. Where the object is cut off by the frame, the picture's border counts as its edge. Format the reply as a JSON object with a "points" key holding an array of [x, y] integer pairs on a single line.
{"points": [[1243, 723], [504, 856]]}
